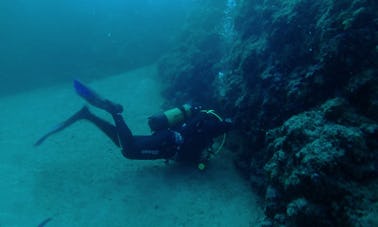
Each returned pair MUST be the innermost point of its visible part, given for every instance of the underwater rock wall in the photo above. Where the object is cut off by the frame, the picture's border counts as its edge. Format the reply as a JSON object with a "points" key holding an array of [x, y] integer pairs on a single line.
{"points": [[320, 165], [301, 81]]}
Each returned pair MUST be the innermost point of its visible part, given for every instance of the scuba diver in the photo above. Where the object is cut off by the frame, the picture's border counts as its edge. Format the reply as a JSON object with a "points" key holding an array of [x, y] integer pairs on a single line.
{"points": [[182, 134]]}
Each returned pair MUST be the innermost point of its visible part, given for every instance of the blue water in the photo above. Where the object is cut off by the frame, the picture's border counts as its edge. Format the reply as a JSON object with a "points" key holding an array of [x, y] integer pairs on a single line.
{"points": [[45, 42], [78, 177]]}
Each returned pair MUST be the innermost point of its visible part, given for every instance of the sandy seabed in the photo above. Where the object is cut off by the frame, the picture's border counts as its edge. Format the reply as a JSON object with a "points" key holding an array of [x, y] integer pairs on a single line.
{"points": [[79, 178]]}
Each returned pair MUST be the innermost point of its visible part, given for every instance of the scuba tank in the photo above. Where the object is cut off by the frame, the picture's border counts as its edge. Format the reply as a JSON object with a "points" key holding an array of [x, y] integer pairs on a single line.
{"points": [[170, 118]]}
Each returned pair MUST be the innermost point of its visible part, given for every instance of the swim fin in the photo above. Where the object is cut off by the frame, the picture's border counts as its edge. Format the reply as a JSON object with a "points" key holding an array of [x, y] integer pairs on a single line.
{"points": [[81, 114], [95, 99]]}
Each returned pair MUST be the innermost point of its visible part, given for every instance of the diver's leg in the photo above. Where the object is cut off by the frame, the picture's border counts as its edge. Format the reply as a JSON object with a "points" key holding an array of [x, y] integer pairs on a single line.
{"points": [[125, 137], [107, 128], [161, 145], [130, 149]]}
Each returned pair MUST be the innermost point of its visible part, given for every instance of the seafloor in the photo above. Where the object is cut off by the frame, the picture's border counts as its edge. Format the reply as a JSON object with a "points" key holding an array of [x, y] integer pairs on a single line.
{"points": [[79, 178]]}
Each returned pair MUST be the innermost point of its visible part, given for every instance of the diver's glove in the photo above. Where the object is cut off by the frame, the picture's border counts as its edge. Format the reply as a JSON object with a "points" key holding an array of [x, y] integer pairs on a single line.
{"points": [[177, 137]]}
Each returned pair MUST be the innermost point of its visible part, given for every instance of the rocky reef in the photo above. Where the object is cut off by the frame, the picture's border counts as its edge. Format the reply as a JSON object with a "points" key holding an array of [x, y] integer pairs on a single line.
{"points": [[300, 78], [319, 164]]}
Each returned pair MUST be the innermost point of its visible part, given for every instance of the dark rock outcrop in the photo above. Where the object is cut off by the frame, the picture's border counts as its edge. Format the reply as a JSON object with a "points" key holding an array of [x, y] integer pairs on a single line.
{"points": [[318, 164], [301, 81]]}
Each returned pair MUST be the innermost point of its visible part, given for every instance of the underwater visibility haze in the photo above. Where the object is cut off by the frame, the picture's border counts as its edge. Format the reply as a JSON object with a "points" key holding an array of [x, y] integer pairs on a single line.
{"points": [[294, 83], [45, 42]]}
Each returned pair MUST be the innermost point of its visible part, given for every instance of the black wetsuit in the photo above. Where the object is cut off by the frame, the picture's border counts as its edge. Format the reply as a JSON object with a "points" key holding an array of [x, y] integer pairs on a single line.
{"points": [[182, 143]]}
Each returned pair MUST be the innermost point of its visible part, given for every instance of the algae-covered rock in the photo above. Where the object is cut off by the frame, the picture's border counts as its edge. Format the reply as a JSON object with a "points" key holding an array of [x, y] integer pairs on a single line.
{"points": [[300, 80], [317, 163]]}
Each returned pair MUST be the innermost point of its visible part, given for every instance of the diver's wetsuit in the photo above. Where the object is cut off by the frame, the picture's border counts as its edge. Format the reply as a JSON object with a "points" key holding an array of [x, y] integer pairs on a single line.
{"points": [[185, 142]]}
